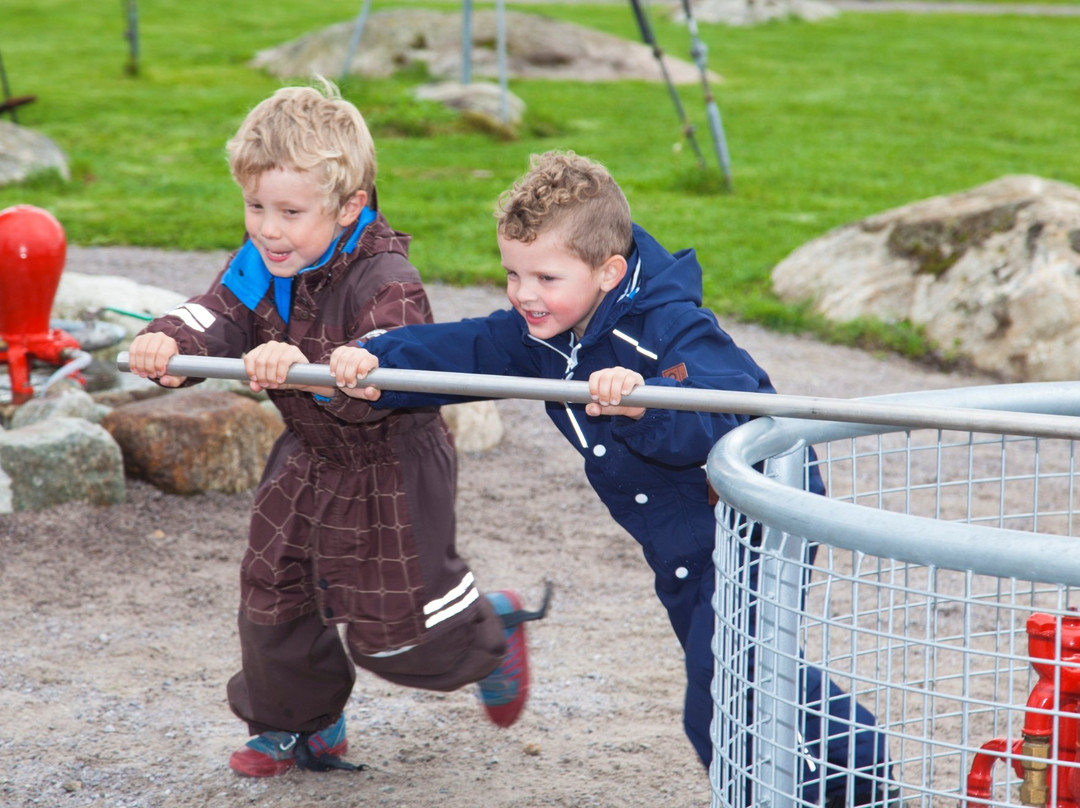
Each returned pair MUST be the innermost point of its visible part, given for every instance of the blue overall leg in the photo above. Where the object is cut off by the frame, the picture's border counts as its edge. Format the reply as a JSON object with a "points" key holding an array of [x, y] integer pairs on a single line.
{"points": [[691, 614], [869, 755], [689, 607]]}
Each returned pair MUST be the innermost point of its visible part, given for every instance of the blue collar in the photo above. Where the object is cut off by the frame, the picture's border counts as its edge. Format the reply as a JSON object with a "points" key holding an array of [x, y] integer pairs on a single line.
{"points": [[248, 278]]}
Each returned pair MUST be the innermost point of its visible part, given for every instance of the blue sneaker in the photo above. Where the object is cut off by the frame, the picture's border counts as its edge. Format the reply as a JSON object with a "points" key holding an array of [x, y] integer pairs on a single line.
{"points": [[504, 691], [274, 753]]}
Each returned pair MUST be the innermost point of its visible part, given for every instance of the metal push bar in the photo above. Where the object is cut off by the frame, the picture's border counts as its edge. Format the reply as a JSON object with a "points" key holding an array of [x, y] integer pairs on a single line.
{"points": [[483, 386]]}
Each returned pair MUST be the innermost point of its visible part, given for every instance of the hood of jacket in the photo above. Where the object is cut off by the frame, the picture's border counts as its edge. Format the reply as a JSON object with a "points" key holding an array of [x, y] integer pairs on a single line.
{"points": [[654, 278]]}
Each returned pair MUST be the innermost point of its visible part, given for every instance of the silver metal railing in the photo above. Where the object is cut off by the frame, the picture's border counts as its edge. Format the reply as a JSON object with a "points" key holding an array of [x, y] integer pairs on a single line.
{"points": [[937, 551]]}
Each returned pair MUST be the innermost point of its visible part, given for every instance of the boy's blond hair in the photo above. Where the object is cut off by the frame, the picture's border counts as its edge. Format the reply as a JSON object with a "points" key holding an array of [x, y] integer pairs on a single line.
{"points": [[575, 196], [307, 129]]}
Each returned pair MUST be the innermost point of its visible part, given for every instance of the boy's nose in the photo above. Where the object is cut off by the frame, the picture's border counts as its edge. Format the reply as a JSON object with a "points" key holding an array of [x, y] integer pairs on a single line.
{"points": [[268, 227], [525, 292]]}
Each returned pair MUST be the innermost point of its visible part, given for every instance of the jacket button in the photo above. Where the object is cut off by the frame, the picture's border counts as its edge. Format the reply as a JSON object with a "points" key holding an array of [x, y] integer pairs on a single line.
{"points": [[681, 572], [324, 584], [328, 612], [599, 450], [641, 499]]}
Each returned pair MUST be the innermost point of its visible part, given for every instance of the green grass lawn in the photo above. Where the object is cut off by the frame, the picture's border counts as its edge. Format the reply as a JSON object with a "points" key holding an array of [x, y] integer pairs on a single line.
{"points": [[826, 123]]}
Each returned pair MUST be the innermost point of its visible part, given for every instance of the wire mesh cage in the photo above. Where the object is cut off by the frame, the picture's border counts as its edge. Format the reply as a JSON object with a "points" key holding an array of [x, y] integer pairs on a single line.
{"points": [[911, 638]]}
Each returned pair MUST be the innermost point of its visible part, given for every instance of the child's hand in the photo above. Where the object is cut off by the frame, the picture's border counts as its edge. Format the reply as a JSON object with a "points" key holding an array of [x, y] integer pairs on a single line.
{"points": [[608, 386], [149, 355], [348, 364], [268, 364]]}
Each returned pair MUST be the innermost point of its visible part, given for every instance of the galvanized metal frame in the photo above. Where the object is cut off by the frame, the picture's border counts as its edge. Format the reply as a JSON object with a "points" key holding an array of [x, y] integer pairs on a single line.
{"points": [[894, 549]]}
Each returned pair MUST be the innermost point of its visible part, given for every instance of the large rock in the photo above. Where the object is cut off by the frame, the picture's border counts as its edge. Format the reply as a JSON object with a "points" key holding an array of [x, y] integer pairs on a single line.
{"points": [[991, 274], [481, 98], [476, 425], [112, 299], [59, 460], [537, 47], [755, 12], [65, 399], [194, 440], [24, 152]]}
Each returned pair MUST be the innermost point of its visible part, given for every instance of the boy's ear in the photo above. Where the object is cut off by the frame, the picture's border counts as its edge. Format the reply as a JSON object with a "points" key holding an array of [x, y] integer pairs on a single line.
{"points": [[350, 211], [612, 272]]}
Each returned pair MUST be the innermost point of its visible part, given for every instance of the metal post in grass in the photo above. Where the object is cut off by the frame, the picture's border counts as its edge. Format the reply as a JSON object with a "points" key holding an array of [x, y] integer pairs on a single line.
{"points": [[354, 40], [131, 34], [699, 52], [649, 38], [466, 42], [500, 39]]}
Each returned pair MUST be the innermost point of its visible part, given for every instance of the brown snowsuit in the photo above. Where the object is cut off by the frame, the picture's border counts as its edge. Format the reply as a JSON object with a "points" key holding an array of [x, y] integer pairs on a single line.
{"points": [[353, 521]]}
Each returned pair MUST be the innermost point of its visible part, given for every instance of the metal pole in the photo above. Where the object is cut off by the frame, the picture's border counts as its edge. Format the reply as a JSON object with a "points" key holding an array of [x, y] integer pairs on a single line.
{"points": [[476, 385], [7, 91], [698, 51], [776, 678], [500, 38], [354, 41], [132, 36], [466, 42], [649, 39]]}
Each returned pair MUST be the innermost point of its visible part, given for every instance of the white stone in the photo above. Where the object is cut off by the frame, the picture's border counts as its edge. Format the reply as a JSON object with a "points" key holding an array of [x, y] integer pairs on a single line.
{"points": [[78, 293], [24, 152], [476, 425], [756, 12], [479, 97], [991, 274], [537, 47]]}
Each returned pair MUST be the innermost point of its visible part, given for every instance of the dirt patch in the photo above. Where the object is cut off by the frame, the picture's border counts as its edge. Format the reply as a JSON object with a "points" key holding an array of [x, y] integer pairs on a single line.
{"points": [[118, 628]]}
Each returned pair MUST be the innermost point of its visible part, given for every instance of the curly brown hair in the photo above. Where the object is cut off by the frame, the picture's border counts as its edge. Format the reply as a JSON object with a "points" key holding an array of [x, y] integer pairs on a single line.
{"points": [[571, 194]]}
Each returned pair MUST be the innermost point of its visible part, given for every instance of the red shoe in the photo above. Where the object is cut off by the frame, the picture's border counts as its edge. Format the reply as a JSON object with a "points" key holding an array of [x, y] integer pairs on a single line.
{"points": [[273, 753], [505, 690]]}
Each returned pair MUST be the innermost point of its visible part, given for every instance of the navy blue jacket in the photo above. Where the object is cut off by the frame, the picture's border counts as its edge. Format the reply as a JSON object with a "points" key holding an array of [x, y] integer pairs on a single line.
{"points": [[650, 472]]}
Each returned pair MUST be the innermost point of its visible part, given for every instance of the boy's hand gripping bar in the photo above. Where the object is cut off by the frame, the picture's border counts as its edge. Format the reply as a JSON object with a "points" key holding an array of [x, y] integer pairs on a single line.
{"points": [[483, 386]]}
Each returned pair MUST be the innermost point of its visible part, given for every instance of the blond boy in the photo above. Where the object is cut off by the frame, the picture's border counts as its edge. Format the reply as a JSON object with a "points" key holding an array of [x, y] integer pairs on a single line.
{"points": [[353, 521]]}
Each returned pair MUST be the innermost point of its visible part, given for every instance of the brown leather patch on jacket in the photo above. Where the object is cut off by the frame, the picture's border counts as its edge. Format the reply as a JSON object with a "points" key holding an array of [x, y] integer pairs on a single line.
{"points": [[678, 372]]}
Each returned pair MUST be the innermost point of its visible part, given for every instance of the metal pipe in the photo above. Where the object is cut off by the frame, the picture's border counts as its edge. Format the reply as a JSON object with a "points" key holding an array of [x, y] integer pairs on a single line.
{"points": [[698, 52], [649, 38], [504, 82], [482, 386], [354, 40]]}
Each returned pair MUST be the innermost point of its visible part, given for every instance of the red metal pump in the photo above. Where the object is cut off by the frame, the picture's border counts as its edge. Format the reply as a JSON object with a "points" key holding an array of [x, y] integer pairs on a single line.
{"points": [[32, 253], [1051, 723]]}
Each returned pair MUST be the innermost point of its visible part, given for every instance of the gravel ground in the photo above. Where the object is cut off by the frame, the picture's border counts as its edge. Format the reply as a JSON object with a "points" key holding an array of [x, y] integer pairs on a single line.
{"points": [[118, 628]]}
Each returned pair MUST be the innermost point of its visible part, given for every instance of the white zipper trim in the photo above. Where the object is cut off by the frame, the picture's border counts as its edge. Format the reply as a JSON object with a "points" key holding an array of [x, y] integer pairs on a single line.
{"points": [[571, 363]]}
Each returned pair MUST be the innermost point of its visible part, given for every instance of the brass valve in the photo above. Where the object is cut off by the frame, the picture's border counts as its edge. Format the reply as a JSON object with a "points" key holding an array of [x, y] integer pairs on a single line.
{"points": [[1034, 790]]}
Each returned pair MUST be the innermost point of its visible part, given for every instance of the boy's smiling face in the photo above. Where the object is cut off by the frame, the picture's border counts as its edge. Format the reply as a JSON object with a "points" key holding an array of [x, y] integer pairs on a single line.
{"points": [[290, 220], [554, 290]]}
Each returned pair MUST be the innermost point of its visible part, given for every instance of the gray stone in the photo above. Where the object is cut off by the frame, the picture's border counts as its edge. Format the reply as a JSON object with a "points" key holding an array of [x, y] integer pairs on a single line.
{"points": [[64, 399], [59, 460], [24, 152], [537, 47], [743, 13], [112, 299], [479, 98], [992, 274], [6, 504], [192, 441]]}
